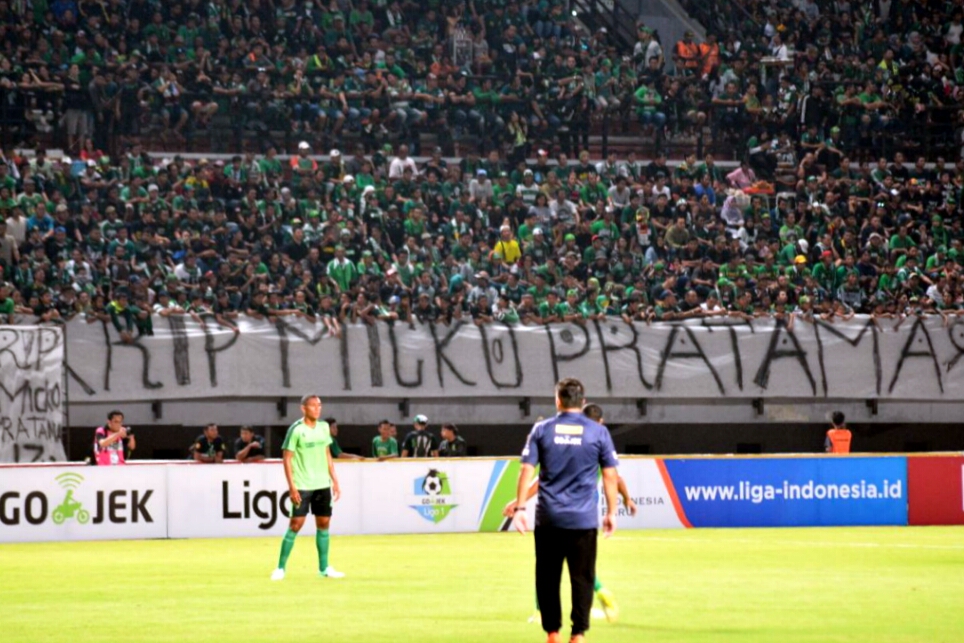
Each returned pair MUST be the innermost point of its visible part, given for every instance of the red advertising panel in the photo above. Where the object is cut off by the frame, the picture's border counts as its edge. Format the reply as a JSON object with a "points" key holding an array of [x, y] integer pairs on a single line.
{"points": [[935, 490]]}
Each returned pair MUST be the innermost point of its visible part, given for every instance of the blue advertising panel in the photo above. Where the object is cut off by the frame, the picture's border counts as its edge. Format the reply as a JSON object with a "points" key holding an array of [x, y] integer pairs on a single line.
{"points": [[791, 492]]}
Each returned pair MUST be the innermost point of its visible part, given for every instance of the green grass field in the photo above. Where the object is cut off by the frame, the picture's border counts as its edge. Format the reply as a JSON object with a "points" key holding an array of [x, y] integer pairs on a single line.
{"points": [[871, 585]]}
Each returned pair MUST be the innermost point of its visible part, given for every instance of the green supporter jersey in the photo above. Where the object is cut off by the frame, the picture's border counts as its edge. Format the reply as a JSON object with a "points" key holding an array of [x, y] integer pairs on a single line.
{"points": [[309, 466], [380, 448]]}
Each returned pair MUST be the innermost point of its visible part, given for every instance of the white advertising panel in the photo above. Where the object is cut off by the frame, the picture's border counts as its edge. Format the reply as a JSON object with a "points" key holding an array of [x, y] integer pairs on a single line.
{"points": [[424, 496], [82, 503], [235, 500], [210, 501], [654, 503]]}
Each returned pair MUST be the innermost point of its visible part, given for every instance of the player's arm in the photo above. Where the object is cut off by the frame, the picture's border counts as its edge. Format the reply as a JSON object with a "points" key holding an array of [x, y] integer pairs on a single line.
{"points": [[624, 493], [242, 454], [530, 458], [286, 457], [393, 446], [111, 439], [526, 474], [200, 457], [827, 445], [335, 487], [530, 494], [219, 455], [610, 488], [405, 450]]}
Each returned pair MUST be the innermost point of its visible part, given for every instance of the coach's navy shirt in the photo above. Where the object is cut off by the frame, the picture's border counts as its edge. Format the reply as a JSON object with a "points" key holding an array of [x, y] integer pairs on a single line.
{"points": [[570, 449]]}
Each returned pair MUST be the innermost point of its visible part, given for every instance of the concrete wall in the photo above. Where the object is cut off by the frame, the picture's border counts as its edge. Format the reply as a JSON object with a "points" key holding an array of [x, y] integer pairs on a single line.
{"points": [[162, 442], [511, 410]]}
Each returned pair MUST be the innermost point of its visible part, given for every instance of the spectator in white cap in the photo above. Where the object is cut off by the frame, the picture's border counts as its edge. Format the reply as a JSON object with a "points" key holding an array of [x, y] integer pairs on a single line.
{"points": [[480, 187], [507, 246], [302, 164], [334, 170], [482, 287], [419, 443]]}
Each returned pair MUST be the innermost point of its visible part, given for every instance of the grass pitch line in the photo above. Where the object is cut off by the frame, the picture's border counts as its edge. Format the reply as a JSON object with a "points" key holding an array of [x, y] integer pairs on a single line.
{"points": [[803, 543]]}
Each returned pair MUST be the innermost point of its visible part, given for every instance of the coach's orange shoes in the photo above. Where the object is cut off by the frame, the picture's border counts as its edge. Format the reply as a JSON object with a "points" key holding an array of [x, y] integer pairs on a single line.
{"points": [[578, 638], [554, 638]]}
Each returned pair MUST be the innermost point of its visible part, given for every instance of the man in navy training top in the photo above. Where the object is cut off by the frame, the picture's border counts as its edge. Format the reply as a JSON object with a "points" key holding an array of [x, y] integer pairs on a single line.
{"points": [[570, 450]]}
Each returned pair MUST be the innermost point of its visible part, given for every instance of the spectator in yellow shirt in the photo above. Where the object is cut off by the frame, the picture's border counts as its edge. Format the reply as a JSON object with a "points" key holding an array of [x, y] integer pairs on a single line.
{"points": [[507, 246]]}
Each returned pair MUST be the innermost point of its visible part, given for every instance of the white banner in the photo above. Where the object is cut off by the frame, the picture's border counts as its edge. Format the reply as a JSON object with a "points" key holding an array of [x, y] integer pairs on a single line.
{"points": [[216, 501], [426, 496], [647, 488], [32, 395], [390, 498], [83, 503], [723, 358]]}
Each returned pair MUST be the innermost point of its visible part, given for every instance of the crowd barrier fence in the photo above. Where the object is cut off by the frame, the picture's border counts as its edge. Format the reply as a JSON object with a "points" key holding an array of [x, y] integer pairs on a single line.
{"points": [[185, 500]]}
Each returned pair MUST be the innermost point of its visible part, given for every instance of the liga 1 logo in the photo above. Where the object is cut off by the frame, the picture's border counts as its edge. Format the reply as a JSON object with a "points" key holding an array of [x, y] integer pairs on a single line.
{"points": [[433, 500]]}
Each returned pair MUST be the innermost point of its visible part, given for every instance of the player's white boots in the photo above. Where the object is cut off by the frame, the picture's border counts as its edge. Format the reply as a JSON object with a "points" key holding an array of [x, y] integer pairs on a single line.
{"points": [[331, 572]]}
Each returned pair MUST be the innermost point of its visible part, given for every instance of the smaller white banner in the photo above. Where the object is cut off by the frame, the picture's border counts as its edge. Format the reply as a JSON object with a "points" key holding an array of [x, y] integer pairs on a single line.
{"points": [[424, 496], [83, 503], [221, 501], [654, 504], [32, 394]]}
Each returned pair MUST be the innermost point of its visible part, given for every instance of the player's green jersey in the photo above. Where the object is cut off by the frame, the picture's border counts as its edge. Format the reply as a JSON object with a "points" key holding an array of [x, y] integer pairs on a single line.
{"points": [[309, 466], [380, 449]]}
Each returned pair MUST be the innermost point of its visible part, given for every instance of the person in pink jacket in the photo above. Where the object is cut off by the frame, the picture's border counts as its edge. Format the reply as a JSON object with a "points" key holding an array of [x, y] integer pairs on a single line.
{"points": [[109, 440]]}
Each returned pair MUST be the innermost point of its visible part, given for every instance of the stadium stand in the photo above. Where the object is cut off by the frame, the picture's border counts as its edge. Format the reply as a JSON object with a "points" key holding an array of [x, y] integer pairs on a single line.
{"points": [[819, 105]]}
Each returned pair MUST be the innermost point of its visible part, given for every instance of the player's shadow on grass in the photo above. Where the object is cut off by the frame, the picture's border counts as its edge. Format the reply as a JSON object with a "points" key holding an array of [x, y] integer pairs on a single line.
{"points": [[642, 627]]}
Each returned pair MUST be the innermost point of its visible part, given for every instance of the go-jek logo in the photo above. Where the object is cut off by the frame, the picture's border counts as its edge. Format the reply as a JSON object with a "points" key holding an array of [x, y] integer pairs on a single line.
{"points": [[35, 507], [70, 508], [432, 501]]}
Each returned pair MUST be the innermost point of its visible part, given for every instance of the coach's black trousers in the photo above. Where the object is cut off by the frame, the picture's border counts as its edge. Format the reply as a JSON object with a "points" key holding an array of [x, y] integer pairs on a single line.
{"points": [[578, 548]]}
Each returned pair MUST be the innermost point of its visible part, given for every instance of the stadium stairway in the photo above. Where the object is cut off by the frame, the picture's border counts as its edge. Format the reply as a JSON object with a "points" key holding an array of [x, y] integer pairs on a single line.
{"points": [[621, 134], [621, 17]]}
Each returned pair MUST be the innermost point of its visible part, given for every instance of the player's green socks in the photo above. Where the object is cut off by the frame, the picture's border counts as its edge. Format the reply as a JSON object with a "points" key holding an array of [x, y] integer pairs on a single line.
{"points": [[596, 585], [287, 544], [321, 542]]}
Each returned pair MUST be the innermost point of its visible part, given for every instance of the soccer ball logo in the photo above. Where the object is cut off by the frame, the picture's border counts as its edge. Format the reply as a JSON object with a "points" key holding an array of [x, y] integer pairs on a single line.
{"points": [[432, 483], [433, 496]]}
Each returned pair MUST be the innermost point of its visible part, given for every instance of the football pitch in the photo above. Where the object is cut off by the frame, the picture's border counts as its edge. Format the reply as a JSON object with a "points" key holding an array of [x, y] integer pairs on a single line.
{"points": [[880, 585]]}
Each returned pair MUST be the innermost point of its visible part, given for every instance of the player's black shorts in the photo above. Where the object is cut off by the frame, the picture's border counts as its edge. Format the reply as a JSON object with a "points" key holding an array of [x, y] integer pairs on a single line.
{"points": [[319, 501]]}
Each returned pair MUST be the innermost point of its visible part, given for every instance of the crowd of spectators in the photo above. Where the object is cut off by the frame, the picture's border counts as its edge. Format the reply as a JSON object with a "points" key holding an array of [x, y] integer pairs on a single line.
{"points": [[505, 72], [807, 224], [515, 75], [357, 239], [885, 73]]}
